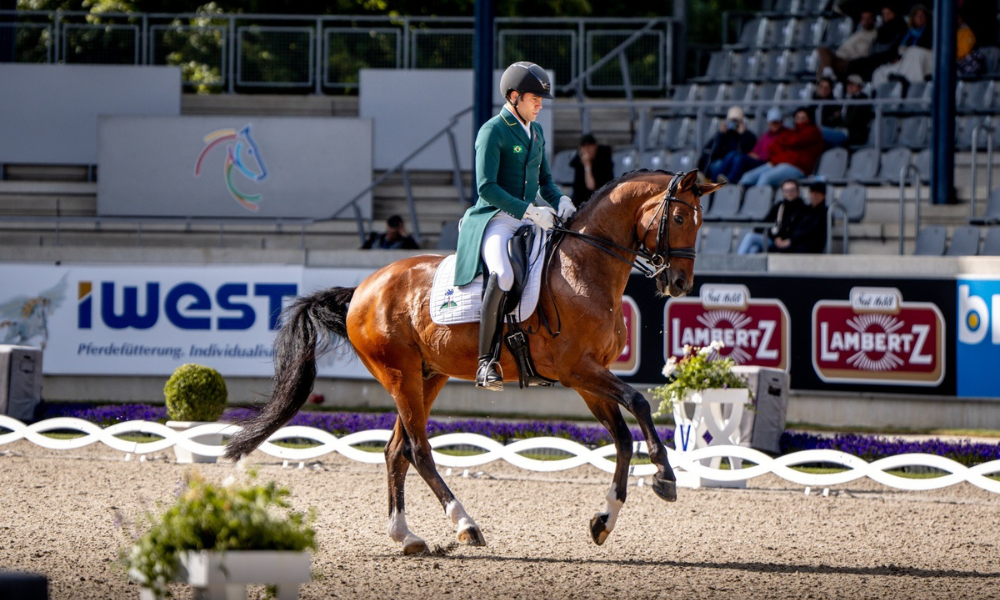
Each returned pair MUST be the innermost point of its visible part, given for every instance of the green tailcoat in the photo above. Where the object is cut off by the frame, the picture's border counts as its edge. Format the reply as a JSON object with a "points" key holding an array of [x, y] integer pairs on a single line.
{"points": [[511, 171]]}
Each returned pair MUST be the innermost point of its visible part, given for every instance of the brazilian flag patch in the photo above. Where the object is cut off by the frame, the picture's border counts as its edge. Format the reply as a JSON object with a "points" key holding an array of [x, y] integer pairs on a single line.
{"points": [[517, 149]]}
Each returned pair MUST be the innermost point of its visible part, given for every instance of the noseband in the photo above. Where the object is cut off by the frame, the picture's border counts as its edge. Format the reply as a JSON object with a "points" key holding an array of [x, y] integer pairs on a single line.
{"points": [[659, 256]]}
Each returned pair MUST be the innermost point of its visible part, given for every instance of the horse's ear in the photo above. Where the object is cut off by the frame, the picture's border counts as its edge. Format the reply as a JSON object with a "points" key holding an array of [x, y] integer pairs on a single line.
{"points": [[690, 178], [705, 189]]}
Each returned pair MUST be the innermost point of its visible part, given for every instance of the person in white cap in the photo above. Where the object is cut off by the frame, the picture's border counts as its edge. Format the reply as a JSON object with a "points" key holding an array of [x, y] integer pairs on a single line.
{"points": [[733, 136], [735, 164]]}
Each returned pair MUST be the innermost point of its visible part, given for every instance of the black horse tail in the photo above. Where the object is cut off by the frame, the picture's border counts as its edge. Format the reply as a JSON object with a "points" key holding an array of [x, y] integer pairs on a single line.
{"points": [[307, 327]]}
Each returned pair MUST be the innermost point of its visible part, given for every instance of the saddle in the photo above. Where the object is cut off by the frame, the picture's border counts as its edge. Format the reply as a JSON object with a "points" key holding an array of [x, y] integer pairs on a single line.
{"points": [[516, 339]]}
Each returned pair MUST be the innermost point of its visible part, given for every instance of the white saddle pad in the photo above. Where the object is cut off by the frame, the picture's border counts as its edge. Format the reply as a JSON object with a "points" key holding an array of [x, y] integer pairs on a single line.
{"points": [[452, 305]]}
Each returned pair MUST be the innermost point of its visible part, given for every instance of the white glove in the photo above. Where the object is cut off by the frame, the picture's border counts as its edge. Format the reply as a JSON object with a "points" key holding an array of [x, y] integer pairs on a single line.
{"points": [[566, 208], [543, 216]]}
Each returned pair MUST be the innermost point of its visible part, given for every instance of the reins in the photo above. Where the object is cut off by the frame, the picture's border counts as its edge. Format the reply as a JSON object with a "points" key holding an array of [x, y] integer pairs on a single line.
{"points": [[658, 259]]}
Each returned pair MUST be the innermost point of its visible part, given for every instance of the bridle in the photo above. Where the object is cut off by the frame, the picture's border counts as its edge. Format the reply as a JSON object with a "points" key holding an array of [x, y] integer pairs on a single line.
{"points": [[658, 258]]}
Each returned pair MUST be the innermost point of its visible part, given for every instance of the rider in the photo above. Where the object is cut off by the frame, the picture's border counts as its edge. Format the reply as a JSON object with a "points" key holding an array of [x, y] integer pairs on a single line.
{"points": [[511, 169]]}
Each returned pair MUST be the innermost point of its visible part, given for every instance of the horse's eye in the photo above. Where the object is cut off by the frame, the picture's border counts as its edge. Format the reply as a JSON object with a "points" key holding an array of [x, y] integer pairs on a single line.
{"points": [[679, 219]]}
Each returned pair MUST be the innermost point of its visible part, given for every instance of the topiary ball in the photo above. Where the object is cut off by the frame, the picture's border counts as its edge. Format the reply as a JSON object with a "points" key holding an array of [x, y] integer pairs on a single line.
{"points": [[195, 393]]}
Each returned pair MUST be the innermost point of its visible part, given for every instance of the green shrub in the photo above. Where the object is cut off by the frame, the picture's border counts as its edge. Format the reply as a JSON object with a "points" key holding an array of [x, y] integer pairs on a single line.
{"points": [[195, 393], [217, 518]]}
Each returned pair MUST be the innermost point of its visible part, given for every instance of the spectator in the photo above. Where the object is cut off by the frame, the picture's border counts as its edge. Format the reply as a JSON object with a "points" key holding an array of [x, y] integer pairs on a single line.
{"points": [[394, 238], [971, 62], [808, 232], [592, 168], [831, 121], [857, 117], [915, 59], [731, 137], [793, 155], [858, 45], [782, 215], [885, 47], [735, 164]]}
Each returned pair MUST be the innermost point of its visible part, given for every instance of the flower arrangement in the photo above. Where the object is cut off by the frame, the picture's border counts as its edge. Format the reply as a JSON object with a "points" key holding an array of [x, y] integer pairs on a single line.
{"points": [[195, 393], [217, 518], [699, 369]]}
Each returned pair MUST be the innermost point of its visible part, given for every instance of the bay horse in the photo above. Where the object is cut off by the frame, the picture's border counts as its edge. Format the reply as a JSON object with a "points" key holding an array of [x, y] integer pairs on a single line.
{"points": [[386, 319]]}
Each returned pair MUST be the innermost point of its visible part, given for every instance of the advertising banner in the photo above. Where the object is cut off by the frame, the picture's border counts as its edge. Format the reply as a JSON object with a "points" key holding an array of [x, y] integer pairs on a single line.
{"points": [[755, 332], [628, 362], [233, 167], [149, 320], [978, 323], [876, 337]]}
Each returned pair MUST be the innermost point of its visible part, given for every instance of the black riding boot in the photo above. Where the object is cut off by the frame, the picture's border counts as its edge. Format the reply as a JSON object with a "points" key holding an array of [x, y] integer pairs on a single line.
{"points": [[490, 330]]}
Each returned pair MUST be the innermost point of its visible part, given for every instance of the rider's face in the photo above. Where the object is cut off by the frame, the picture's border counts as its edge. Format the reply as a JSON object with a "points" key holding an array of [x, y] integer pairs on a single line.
{"points": [[529, 105]]}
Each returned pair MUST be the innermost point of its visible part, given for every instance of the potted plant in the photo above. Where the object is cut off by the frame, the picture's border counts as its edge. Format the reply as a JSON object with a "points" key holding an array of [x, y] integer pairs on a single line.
{"points": [[224, 536], [701, 372], [195, 395]]}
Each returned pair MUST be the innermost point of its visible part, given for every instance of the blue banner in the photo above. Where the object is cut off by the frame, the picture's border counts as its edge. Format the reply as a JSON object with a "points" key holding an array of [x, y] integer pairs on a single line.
{"points": [[978, 346]]}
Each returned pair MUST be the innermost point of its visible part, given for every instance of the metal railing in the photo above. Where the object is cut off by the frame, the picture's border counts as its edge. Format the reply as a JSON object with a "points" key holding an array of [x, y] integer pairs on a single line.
{"points": [[904, 173], [837, 208], [324, 54]]}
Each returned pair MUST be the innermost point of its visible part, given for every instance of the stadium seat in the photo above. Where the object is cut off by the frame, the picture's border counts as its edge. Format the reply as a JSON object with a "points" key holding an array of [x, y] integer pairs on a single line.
{"points": [[624, 160], [864, 165], [930, 241], [853, 198], [679, 133], [719, 67], [814, 7], [757, 203], [992, 214], [838, 29], [679, 162], [718, 240], [914, 133], [887, 129], [965, 127], [920, 92], [833, 165], [964, 242], [923, 164], [991, 243], [725, 204], [974, 97], [654, 160], [562, 172], [892, 163], [992, 55]]}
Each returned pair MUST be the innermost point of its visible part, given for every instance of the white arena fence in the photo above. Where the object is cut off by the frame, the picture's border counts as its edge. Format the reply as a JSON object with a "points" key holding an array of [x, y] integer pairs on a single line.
{"points": [[689, 463]]}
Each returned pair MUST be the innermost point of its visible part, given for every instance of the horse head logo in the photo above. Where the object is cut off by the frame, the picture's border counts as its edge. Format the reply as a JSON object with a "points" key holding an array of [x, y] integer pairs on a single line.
{"points": [[26, 318], [242, 155]]}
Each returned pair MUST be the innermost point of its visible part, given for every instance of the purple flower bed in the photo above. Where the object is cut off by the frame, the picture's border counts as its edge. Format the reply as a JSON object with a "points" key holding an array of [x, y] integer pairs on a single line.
{"points": [[868, 447]]}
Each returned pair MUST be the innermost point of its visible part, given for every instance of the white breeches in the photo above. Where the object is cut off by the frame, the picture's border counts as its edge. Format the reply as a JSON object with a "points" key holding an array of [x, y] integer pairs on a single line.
{"points": [[498, 231]]}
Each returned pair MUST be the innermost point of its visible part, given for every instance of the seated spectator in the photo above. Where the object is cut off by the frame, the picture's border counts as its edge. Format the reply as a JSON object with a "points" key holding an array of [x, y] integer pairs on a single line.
{"points": [[592, 168], [915, 61], [857, 117], [808, 233], [971, 62], [782, 215], [858, 45], [885, 47], [793, 155], [831, 121], [394, 238], [731, 137], [735, 164]]}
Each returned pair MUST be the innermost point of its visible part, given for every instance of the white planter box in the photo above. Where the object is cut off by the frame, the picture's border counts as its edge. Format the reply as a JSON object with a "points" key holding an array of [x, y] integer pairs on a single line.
{"points": [[718, 411], [225, 575], [186, 456]]}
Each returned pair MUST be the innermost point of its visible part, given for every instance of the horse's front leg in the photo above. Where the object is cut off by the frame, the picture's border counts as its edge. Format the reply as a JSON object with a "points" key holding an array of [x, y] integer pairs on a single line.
{"points": [[601, 382], [610, 416]]}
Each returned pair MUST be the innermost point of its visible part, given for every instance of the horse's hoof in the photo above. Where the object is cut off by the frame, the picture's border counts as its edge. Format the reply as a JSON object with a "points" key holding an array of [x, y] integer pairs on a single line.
{"points": [[471, 536], [417, 546], [599, 528], [665, 489]]}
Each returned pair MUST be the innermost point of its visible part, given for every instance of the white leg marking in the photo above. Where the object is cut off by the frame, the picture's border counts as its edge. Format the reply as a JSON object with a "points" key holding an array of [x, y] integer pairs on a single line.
{"points": [[614, 505], [399, 532], [458, 516]]}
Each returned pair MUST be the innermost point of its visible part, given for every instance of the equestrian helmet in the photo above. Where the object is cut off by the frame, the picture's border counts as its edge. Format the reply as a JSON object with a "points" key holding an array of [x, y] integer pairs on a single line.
{"points": [[526, 78]]}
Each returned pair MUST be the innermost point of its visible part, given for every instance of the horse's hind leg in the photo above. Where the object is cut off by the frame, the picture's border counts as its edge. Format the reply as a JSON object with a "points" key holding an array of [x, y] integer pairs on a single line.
{"points": [[414, 396], [610, 416], [398, 454]]}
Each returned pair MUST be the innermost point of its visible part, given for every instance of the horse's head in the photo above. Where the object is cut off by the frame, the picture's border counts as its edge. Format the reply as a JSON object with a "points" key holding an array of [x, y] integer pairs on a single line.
{"points": [[668, 227], [246, 156]]}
